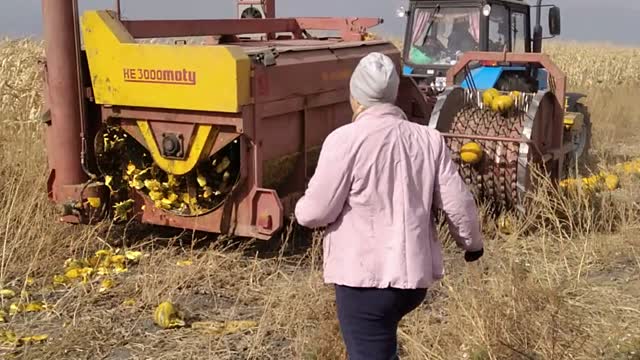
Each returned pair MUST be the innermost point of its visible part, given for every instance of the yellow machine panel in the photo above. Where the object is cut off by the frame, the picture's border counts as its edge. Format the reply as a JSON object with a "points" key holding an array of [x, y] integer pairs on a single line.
{"points": [[124, 72], [203, 140]]}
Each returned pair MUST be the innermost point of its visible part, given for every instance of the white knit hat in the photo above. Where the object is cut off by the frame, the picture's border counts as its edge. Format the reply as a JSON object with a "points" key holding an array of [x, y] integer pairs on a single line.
{"points": [[375, 80]]}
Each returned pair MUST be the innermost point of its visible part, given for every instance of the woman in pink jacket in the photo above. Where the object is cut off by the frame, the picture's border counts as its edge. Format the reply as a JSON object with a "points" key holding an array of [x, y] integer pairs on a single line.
{"points": [[376, 183]]}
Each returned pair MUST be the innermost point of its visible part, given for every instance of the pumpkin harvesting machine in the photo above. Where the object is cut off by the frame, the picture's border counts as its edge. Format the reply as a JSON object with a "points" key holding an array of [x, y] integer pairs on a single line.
{"points": [[216, 125], [209, 125]]}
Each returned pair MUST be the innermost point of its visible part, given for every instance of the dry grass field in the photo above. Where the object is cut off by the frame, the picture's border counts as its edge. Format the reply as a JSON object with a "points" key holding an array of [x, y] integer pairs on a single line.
{"points": [[564, 285]]}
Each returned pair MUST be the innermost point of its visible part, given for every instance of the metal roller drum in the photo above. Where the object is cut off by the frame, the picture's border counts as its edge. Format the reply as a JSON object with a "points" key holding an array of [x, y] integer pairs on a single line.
{"points": [[500, 177]]}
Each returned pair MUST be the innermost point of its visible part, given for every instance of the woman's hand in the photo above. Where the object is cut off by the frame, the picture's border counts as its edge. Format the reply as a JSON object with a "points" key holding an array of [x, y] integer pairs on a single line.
{"points": [[471, 256], [452, 196]]}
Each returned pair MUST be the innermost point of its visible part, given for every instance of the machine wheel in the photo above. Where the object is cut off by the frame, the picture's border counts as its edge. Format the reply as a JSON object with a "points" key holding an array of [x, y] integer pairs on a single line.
{"points": [[495, 178], [502, 178], [579, 160]]}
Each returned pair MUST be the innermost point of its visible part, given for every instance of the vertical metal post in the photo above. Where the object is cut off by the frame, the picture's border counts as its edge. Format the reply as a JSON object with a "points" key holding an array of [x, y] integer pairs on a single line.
{"points": [[63, 82], [269, 7], [118, 9], [537, 30]]}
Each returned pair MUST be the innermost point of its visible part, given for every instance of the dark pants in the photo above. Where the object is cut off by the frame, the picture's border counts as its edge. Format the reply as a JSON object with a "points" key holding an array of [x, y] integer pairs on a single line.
{"points": [[369, 319]]}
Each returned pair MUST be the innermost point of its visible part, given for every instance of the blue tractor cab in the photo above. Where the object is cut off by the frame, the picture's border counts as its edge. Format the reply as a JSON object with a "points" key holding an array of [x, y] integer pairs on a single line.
{"points": [[439, 32]]}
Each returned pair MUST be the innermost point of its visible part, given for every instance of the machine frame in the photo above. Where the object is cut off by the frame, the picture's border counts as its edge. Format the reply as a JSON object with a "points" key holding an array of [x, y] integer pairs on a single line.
{"points": [[551, 127], [84, 89]]}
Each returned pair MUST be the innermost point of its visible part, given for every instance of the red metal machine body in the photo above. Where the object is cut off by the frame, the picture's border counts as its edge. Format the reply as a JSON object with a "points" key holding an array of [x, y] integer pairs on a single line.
{"points": [[299, 94]]}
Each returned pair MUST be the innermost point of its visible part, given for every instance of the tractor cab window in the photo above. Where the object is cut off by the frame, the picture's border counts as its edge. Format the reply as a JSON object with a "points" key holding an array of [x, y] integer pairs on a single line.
{"points": [[518, 35], [439, 36], [498, 28]]}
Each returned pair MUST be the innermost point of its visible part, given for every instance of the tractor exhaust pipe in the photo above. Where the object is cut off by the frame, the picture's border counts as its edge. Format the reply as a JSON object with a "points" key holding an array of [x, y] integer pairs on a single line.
{"points": [[118, 8], [270, 9], [537, 30], [64, 142]]}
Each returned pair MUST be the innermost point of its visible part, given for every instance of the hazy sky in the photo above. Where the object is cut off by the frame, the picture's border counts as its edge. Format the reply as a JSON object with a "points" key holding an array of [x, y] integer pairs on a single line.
{"points": [[585, 20]]}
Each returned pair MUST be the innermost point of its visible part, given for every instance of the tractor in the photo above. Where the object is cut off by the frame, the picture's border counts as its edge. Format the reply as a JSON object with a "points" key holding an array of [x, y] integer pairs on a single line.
{"points": [[461, 54]]}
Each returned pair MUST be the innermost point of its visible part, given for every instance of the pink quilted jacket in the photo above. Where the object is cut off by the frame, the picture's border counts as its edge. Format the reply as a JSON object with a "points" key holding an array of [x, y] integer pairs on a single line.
{"points": [[374, 188]]}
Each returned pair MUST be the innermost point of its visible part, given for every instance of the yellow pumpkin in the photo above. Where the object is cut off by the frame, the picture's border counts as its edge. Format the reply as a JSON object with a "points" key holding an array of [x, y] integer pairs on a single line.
{"points": [[515, 94], [502, 103], [612, 181], [471, 153], [504, 225], [488, 96], [167, 317]]}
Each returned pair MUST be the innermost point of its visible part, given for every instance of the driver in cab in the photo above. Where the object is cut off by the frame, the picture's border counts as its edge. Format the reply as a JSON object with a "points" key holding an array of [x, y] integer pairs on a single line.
{"points": [[461, 38], [434, 51]]}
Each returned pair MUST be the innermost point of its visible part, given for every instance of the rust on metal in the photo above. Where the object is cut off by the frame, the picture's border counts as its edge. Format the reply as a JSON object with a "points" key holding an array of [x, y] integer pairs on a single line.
{"points": [[76, 210], [351, 29], [184, 28], [63, 79]]}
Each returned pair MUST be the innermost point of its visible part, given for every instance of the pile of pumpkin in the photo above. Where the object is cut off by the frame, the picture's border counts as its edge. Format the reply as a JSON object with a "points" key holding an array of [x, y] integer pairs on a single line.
{"points": [[128, 166], [604, 180], [498, 102], [595, 183]]}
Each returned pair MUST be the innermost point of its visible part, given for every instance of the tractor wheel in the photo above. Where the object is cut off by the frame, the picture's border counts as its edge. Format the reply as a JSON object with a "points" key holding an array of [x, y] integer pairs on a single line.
{"points": [[579, 159]]}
